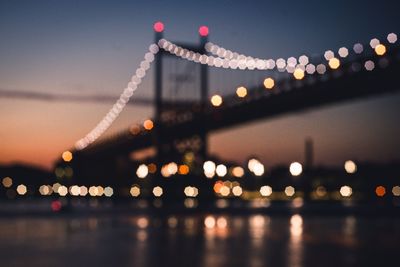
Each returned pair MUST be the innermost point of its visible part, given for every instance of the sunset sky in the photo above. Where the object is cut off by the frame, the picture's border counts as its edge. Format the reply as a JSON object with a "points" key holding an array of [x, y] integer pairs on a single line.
{"points": [[93, 47]]}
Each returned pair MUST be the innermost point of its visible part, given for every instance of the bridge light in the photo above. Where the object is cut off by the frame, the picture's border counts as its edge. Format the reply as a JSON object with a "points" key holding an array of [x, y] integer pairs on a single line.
{"points": [[374, 42], [298, 74], [269, 83], [157, 191], [203, 31], [148, 124], [310, 68], [289, 191], [392, 38], [295, 169], [380, 49], [358, 48], [158, 26], [346, 191], [321, 69], [369, 65], [350, 166], [329, 54], [67, 156], [142, 171], [334, 63], [241, 91], [266, 190], [216, 100], [343, 52]]}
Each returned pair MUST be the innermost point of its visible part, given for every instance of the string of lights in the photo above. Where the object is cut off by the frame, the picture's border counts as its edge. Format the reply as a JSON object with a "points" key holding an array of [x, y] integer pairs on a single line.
{"points": [[292, 63], [225, 58], [119, 105]]}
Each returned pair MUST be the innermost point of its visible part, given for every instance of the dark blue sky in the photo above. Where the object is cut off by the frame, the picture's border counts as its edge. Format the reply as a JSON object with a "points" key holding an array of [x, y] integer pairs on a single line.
{"points": [[92, 47]]}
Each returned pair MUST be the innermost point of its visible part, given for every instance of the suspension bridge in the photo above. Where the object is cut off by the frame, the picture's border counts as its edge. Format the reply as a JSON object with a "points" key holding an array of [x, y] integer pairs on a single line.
{"points": [[183, 119]]}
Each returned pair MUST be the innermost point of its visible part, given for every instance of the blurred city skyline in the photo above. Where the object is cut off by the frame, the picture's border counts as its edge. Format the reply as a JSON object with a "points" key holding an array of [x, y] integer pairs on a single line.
{"points": [[92, 48]]}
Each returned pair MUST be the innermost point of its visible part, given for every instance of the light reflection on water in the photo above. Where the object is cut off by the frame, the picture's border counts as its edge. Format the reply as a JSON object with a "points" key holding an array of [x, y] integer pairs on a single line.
{"points": [[253, 240]]}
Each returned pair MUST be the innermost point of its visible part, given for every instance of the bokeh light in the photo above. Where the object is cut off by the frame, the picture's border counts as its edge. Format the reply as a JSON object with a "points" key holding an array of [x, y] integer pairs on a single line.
{"points": [[216, 100], [158, 26], [157, 191], [241, 91], [266, 190], [380, 191], [67, 156], [346, 191], [269, 83], [350, 166], [380, 49], [295, 168], [203, 31]]}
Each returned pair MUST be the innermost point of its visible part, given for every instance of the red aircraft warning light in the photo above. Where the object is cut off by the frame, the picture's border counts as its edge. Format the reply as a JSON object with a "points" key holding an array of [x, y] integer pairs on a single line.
{"points": [[203, 31], [158, 26]]}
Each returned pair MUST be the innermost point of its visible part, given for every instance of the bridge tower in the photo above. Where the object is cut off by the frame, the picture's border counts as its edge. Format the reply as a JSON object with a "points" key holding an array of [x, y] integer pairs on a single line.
{"points": [[179, 93]]}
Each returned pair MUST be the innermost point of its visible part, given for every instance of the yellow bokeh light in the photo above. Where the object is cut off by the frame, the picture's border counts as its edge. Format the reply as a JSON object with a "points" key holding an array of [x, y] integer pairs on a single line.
{"points": [[224, 191], [67, 156], [269, 83], [289, 191], [21, 189], [237, 190], [142, 171], [157, 191], [209, 222], [148, 124], [346, 191], [241, 91], [298, 74], [350, 166], [295, 168], [396, 190], [238, 171], [7, 182], [380, 49], [265, 190], [135, 191], [216, 100], [334, 63]]}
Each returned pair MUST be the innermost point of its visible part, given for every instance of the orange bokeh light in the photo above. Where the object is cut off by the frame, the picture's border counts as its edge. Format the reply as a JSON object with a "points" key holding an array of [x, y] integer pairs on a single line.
{"points": [[380, 191]]}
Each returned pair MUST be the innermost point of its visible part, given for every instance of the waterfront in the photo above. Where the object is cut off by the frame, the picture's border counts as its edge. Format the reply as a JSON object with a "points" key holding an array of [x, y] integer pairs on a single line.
{"points": [[198, 240]]}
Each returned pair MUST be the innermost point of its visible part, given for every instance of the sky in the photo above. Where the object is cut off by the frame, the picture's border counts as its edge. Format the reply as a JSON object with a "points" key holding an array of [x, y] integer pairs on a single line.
{"points": [[93, 47]]}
